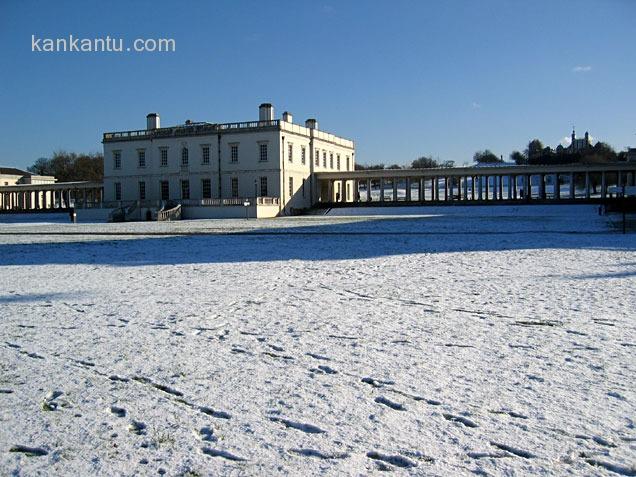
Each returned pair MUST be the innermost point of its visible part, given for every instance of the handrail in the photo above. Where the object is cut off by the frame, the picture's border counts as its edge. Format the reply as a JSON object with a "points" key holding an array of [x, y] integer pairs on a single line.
{"points": [[189, 129], [170, 214]]}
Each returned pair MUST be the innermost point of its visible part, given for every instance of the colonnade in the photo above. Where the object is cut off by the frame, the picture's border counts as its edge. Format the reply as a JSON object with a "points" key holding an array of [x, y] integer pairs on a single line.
{"points": [[51, 196], [482, 184]]}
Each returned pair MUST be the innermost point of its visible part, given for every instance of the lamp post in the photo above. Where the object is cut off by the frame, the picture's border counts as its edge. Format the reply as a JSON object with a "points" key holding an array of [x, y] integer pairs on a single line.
{"points": [[246, 204]]}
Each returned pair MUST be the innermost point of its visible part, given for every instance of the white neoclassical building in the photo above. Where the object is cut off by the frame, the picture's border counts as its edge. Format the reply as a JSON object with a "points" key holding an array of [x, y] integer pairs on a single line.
{"points": [[196, 164]]}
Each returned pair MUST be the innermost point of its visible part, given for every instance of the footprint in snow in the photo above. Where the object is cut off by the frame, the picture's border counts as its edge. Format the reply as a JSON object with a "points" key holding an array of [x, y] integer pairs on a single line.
{"points": [[137, 427], [392, 404], [460, 419], [118, 411]]}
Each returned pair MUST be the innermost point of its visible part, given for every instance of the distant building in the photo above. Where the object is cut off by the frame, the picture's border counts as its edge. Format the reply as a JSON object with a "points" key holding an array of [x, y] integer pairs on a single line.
{"points": [[197, 163], [576, 144], [13, 176], [631, 154]]}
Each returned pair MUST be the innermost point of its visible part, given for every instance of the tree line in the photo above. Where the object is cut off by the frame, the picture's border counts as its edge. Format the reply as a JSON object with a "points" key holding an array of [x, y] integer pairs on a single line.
{"points": [[70, 166], [534, 153]]}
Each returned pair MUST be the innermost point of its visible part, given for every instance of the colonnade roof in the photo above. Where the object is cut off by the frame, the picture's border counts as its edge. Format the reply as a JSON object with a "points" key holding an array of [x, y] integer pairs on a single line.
{"points": [[477, 171], [52, 186]]}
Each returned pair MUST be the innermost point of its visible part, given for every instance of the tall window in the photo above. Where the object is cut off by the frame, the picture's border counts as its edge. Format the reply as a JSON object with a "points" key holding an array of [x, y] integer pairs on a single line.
{"points": [[348, 163], [324, 159], [291, 186], [116, 159], [165, 190], [290, 152], [205, 157], [234, 186], [206, 188], [142, 190], [317, 163], [303, 155], [184, 156], [331, 160], [338, 161], [185, 189], [164, 157], [262, 152], [234, 153], [141, 157], [117, 190], [263, 186]]}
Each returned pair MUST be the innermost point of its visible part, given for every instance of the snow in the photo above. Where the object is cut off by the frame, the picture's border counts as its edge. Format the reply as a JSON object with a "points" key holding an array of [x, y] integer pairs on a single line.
{"points": [[428, 341]]}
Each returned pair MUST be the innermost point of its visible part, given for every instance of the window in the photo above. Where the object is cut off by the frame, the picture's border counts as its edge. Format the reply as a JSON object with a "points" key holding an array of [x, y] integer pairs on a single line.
{"points": [[234, 152], [206, 188], [185, 189], [263, 186], [141, 158], [116, 159], [331, 160], [290, 152], [324, 159], [338, 161], [234, 186], [348, 191], [184, 156], [317, 158], [117, 190], [164, 157], [291, 187], [142, 191], [262, 152], [165, 190], [348, 164], [303, 155], [205, 155]]}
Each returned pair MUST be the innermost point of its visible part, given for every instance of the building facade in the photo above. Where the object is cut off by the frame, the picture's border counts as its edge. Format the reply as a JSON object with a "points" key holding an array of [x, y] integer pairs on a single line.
{"points": [[12, 176], [196, 163]]}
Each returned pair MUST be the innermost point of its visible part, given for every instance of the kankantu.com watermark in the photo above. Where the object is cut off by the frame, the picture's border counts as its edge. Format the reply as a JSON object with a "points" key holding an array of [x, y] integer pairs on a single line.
{"points": [[105, 44]]}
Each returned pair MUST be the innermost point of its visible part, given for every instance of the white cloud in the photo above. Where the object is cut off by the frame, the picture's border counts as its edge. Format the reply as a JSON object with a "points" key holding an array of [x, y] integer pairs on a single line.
{"points": [[476, 105], [582, 69]]}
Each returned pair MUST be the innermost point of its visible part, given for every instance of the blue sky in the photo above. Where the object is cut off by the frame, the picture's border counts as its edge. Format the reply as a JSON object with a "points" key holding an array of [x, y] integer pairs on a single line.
{"points": [[401, 78]]}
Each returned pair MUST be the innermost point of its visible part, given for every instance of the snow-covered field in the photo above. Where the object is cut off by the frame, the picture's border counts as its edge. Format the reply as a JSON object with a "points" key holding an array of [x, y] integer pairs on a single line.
{"points": [[426, 341]]}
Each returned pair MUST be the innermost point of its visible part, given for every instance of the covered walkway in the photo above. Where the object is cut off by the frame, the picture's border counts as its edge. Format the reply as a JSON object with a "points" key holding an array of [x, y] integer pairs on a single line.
{"points": [[61, 195]]}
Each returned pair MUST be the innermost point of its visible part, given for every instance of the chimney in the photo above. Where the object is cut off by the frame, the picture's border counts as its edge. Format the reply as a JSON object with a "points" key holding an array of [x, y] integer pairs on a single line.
{"points": [[287, 117], [311, 124], [266, 112], [152, 121]]}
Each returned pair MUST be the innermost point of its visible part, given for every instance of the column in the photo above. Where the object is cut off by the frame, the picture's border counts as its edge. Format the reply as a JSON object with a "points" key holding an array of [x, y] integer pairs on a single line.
{"points": [[587, 184], [395, 189], [408, 189], [557, 187], [487, 187], [501, 181], [421, 189], [381, 189], [445, 180], [329, 190], [619, 180], [542, 194], [343, 190], [368, 190], [509, 187], [527, 191], [479, 187], [437, 188], [573, 183], [473, 182]]}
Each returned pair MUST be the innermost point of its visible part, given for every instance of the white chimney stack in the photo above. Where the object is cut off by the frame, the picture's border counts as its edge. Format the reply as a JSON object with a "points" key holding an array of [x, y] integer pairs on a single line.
{"points": [[266, 112], [287, 117], [153, 121]]}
